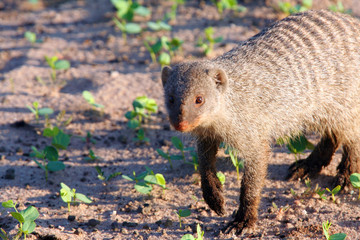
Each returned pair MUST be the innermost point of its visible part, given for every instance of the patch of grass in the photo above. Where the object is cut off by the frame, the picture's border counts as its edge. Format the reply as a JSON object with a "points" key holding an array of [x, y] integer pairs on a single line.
{"points": [[26, 219], [70, 196]]}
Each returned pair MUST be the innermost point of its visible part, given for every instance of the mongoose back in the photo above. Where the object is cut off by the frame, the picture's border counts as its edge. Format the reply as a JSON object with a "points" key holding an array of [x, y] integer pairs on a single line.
{"points": [[301, 73]]}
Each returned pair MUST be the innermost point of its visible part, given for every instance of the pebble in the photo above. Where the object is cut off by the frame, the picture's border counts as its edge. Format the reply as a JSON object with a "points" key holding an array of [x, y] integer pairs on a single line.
{"points": [[71, 218], [93, 222], [10, 173]]}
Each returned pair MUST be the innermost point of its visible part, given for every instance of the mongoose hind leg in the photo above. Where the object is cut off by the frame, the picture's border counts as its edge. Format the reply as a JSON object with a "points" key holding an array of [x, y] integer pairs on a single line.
{"points": [[210, 184], [320, 157], [251, 185], [350, 163]]}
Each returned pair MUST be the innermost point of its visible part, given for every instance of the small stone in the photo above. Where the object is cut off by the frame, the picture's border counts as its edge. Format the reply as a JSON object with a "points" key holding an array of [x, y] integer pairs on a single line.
{"points": [[93, 222], [136, 233], [115, 226], [10, 173], [168, 223], [79, 231], [129, 224], [71, 218]]}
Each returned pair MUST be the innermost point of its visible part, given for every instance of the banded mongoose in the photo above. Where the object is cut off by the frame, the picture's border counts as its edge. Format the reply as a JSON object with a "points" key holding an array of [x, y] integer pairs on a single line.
{"points": [[302, 73]]}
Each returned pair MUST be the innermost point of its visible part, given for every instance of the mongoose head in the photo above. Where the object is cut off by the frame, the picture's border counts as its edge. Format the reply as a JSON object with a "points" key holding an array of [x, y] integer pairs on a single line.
{"points": [[193, 92]]}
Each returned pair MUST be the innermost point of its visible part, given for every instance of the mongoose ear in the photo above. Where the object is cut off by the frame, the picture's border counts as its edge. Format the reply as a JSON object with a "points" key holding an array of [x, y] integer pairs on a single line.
{"points": [[165, 73], [220, 78]]}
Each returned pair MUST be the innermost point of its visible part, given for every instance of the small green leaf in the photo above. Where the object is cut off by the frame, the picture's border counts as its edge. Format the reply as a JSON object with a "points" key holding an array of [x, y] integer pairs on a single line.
{"points": [[160, 180], [62, 65], [111, 176], [143, 188], [132, 28], [61, 140], [65, 193], [128, 178], [297, 144], [142, 11], [133, 123], [18, 216], [151, 179], [48, 132], [355, 180], [51, 153], [54, 166], [88, 97], [187, 237], [184, 212], [130, 115], [336, 189], [30, 213], [28, 227], [82, 198], [162, 153], [176, 157], [8, 204], [164, 58], [177, 143], [30, 36], [221, 177], [337, 236], [31, 109], [45, 111]]}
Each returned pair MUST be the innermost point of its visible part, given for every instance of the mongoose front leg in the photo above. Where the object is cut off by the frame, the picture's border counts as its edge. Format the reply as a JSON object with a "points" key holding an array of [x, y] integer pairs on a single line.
{"points": [[320, 157], [350, 163], [210, 184], [251, 185]]}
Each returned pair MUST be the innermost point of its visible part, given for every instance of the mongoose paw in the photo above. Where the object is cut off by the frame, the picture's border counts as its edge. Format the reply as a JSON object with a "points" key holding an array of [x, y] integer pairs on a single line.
{"points": [[242, 227], [300, 169], [215, 201]]}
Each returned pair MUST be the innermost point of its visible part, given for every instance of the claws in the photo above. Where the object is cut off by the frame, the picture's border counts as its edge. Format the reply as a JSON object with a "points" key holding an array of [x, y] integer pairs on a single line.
{"points": [[239, 227], [301, 169]]}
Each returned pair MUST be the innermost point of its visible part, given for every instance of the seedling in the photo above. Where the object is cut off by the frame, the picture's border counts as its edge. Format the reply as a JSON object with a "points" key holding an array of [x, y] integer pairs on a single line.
{"points": [[208, 44], [39, 111], [221, 177], [355, 181], [287, 8], [321, 192], [49, 155], [179, 145], [102, 177], [200, 234], [296, 145], [174, 7], [26, 219], [183, 213], [143, 107], [339, 7], [159, 25], [145, 180], [140, 137], [30, 36], [227, 4], [334, 191], [70, 196], [337, 236], [88, 139], [164, 48], [61, 121], [233, 153], [91, 100], [126, 9], [56, 64], [166, 155], [91, 156]]}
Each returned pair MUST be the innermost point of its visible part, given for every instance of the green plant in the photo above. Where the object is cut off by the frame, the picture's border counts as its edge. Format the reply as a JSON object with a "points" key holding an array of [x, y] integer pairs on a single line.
{"points": [[126, 9], [334, 191], [200, 234], [227, 4], [91, 157], [91, 100], [50, 155], [56, 64], [355, 181], [39, 111], [159, 25], [140, 137], [320, 192], [337, 236], [233, 153], [163, 47], [26, 219], [296, 145], [70, 196], [104, 178], [166, 155], [30, 36], [145, 180], [221, 177], [174, 7], [143, 108], [207, 44], [88, 139], [339, 7], [288, 8], [183, 213]]}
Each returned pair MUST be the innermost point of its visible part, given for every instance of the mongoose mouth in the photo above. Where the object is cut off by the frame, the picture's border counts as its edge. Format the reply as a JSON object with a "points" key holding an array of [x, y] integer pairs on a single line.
{"points": [[182, 126]]}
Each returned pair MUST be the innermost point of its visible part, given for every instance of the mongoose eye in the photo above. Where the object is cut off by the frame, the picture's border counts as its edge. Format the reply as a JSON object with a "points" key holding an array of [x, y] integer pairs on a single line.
{"points": [[171, 99], [199, 100]]}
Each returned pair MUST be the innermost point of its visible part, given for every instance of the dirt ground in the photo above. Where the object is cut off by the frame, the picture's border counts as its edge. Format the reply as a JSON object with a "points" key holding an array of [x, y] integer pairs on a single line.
{"points": [[82, 32]]}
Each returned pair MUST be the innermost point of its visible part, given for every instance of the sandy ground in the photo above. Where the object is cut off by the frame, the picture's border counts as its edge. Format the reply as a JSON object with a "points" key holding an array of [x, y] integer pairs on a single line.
{"points": [[83, 33]]}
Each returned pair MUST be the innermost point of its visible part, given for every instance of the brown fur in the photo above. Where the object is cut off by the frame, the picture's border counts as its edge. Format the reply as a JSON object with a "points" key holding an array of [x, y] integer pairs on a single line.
{"points": [[302, 73]]}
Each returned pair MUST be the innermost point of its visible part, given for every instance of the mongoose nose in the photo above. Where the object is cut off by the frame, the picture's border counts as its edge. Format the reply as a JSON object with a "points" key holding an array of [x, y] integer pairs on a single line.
{"points": [[182, 126]]}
